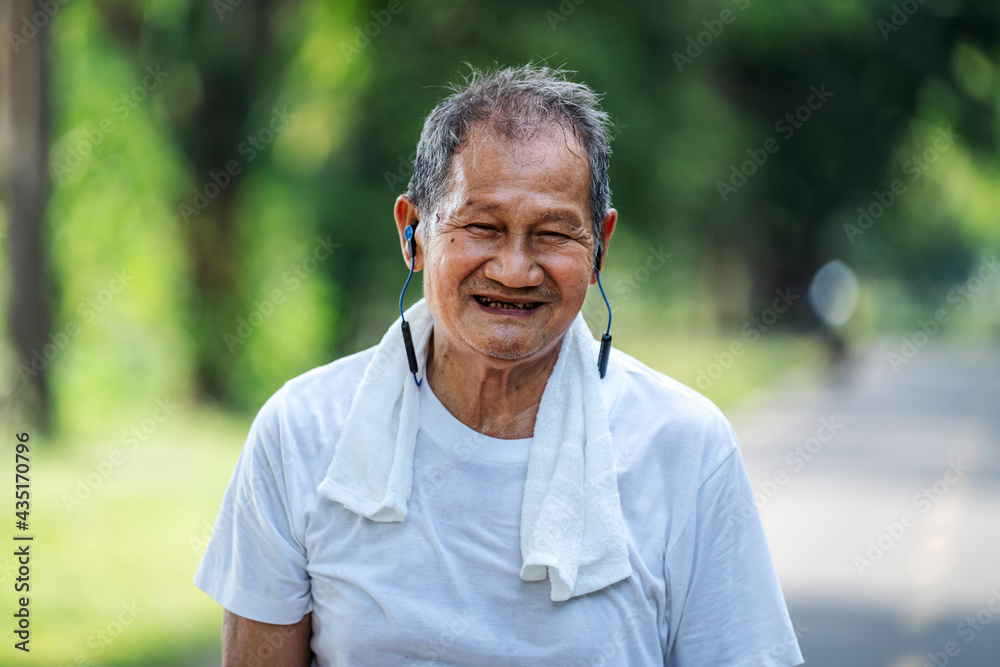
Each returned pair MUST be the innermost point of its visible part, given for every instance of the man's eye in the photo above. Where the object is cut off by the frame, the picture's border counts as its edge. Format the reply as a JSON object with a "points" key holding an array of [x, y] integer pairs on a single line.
{"points": [[478, 226], [555, 235]]}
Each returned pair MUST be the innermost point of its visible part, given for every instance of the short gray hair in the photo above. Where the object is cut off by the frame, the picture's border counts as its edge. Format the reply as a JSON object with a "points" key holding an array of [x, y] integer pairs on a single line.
{"points": [[517, 102]]}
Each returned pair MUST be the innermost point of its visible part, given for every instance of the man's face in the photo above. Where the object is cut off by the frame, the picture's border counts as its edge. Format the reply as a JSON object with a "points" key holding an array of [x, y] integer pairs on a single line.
{"points": [[508, 261]]}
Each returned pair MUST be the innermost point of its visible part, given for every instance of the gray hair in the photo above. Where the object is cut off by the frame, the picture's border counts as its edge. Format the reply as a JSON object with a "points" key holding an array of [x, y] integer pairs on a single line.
{"points": [[517, 102]]}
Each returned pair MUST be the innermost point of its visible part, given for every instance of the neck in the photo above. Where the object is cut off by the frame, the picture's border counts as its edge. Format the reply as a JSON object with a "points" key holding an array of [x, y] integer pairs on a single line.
{"points": [[498, 399]]}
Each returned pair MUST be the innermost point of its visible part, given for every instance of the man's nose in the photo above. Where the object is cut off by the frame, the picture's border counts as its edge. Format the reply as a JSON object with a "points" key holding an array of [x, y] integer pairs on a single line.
{"points": [[515, 264]]}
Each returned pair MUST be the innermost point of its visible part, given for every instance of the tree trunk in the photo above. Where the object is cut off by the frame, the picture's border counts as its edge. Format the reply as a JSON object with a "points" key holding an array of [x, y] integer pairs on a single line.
{"points": [[24, 132]]}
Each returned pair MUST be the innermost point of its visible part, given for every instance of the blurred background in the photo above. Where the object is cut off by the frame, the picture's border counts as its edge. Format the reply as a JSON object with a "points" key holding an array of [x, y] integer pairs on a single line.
{"points": [[197, 206]]}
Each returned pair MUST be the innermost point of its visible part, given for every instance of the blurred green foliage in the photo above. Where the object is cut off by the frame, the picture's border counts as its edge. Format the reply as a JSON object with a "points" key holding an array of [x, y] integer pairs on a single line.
{"points": [[214, 217]]}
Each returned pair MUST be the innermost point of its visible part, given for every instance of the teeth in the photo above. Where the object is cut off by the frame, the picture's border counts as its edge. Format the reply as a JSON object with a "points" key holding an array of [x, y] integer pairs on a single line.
{"points": [[499, 304]]}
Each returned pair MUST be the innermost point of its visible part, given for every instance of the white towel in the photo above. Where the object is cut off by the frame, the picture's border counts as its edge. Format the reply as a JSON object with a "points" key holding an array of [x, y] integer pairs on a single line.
{"points": [[571, 520]]}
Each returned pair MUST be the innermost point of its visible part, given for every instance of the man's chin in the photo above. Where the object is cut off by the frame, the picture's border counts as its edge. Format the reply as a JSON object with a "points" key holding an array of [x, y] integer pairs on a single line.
{"points": [[506, 349]]}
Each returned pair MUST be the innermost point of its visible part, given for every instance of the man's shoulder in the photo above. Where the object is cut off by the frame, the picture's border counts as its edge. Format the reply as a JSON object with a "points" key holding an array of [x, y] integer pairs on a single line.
{"points": [[298, 427], [669, 418], [337, 380], [652, 388], [317, 401]]}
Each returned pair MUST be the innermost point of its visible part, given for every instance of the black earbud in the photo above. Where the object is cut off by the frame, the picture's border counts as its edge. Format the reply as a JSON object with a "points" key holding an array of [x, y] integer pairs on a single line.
{"points": [[411, 241], [411, 248]]}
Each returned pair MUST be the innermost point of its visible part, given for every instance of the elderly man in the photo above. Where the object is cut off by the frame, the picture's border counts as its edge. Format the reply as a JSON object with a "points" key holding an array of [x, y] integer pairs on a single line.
{"points": [[509, 503]]}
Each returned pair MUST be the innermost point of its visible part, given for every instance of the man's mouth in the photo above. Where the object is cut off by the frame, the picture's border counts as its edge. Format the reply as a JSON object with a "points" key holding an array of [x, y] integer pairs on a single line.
{"points": [[493, 303]]}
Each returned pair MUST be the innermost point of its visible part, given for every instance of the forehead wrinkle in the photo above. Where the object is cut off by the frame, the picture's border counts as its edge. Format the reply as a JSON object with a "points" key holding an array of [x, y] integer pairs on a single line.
{"points": [[520, 143], [524, 152]]}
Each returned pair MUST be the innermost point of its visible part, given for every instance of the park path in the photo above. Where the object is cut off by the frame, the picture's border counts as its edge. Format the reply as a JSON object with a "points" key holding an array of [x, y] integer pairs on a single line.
{"points": [[880, 494]]}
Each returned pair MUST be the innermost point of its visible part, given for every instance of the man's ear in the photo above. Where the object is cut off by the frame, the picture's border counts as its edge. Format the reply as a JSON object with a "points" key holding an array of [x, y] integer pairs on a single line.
{"points": [[607, 229], [406, 214]]}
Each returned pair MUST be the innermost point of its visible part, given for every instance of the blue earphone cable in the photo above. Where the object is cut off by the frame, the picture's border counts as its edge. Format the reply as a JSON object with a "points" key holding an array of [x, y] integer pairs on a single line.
{"points": [[405, 285], [608, 331], [403, 317]]}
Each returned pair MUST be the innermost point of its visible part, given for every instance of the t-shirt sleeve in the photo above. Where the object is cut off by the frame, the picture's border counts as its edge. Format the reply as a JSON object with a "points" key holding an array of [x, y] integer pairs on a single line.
{"points": [[254, 564], [724, 601]]}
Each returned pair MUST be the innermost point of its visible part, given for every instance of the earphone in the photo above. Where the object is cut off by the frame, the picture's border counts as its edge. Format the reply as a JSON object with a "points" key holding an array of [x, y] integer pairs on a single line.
{"points": [[602, 358], [411, 247], [411, 355]]}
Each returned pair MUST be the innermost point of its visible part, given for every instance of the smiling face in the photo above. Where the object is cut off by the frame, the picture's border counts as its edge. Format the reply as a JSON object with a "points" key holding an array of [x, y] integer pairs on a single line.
{"points": [[509, 255]]}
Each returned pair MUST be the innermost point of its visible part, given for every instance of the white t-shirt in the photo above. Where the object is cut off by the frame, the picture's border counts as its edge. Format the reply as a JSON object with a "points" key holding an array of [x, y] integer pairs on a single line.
{"points": [[443, 586]]}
